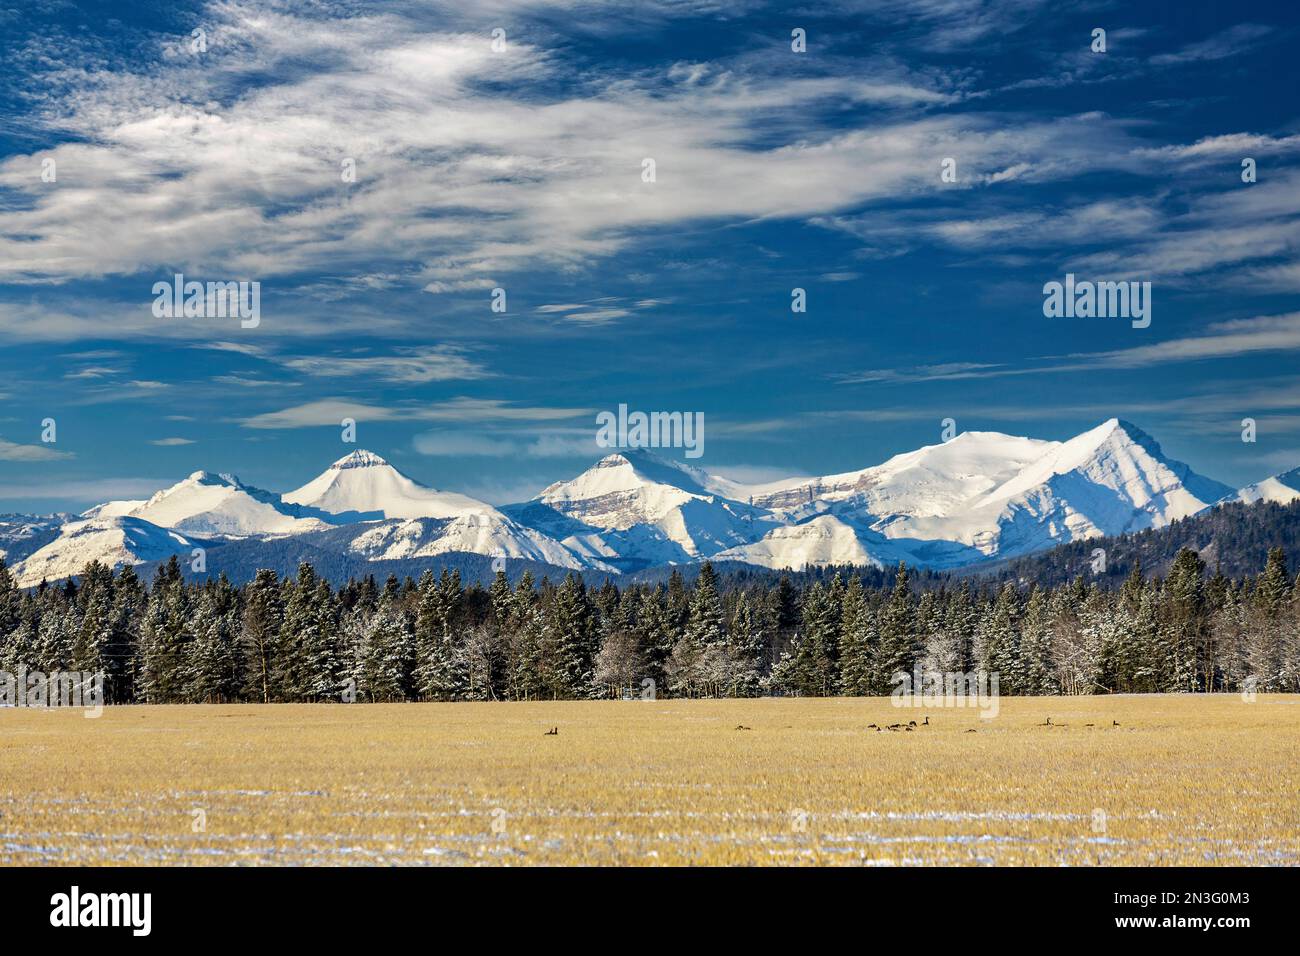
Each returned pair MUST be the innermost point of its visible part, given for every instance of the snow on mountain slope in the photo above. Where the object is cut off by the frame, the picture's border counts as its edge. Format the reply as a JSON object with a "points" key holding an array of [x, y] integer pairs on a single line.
{"points": [[979, 496], [113, 509], [1280, 489], [1110, 480], [221, 505], [638, 490], [1126, 460], [933, 480], [362, 486], [920, 501], [114, 541], [821, 540], [984, 494], [628, 549], [20, 535], [489, 534]]}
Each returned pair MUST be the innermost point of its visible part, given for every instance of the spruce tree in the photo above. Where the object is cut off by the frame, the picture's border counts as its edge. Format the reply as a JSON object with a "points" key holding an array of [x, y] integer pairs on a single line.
{"points": [[858, 641], [572, 639], [896, 646], [260, 635]]}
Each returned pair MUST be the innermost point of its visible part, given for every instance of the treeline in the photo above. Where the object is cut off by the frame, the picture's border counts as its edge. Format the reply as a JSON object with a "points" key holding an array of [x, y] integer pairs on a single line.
{"points": [[1233, 537], [300, 639]]}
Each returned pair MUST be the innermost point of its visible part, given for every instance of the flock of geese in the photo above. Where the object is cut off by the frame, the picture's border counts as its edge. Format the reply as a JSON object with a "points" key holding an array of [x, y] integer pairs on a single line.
{"points": [[912, 725], [1048, 723], [908, 727]]}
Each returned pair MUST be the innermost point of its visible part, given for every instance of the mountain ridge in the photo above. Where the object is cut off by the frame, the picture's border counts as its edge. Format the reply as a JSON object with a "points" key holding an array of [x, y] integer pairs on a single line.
{"points": [[980, 497]]}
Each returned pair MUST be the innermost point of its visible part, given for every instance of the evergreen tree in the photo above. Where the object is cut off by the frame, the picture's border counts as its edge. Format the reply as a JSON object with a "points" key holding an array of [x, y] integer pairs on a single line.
{"points": [[746, 645], [858, 642], [704, 620], [214, 666], [658, 637], [997, 640], [166, 636], [571, 639], [816, 661], [260, 635], [896, 646]]}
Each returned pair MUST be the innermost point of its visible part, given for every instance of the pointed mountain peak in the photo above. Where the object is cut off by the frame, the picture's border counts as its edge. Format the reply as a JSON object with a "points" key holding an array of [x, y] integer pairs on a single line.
{"points": [[359, 459], [1114, 430], [365, 487], [213, 478], [636, 457]]}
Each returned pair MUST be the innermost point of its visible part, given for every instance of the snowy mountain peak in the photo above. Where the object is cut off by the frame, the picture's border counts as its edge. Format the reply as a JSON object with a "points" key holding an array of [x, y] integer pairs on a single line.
{"points": [[1280, 489], [359, 459], [114, 541], [208, 503], [362, 486], [977, 496]]}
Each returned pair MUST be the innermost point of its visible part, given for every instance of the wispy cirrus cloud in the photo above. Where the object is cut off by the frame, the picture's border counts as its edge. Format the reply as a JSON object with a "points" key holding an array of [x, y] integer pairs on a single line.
{"points": [[1237, 39], [331, 411], [462, 164], [11, 451]]}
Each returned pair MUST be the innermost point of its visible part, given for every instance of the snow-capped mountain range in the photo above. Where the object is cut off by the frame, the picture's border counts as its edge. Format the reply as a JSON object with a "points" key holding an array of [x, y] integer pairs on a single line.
{"points": [[977, 497]]}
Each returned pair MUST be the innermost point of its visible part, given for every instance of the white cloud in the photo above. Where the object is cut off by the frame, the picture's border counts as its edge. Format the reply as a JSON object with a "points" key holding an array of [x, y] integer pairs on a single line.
{"points": [[87, 490], [1232, 41], [547, 444], [10, 451], [410, 366], [462, 164], [331, 411]]}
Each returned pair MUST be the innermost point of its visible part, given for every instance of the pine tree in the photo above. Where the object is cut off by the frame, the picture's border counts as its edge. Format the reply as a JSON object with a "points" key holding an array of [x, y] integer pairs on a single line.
{"points": [[704, 621], [997, 641], [442, 667], [260, 635], [214, 668], [164, 646], [816, 662], [746, 644], [90, 646], [858, 642], [1265, 646], [387, 651], [571, 638], [896, 646], [297, 633], [322, 666], [1036, 667], [658, 637], [525, 645], [1185, 620]]}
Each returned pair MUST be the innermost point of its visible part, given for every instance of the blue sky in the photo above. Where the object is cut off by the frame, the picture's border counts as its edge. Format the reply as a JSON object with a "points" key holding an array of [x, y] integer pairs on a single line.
{"points": [[521, 169]]}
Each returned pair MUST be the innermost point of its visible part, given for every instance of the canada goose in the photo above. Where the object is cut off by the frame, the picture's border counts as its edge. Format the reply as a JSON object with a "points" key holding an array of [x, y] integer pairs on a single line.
{"points": [[910, 727], [869, 726], [553, 732], [743, 727], [1047, 723], [926, 722], [1114, 723], [971, 731], [1090, 725], [911, 723]]}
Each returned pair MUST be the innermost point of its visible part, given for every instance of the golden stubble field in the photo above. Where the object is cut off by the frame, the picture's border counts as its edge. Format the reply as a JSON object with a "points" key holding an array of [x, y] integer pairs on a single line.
{"points": [[1183, 780]]}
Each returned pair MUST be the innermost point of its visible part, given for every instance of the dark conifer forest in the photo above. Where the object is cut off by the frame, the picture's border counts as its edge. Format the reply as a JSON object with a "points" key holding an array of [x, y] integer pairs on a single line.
{"points": [[1190, 629]]}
